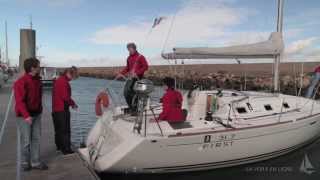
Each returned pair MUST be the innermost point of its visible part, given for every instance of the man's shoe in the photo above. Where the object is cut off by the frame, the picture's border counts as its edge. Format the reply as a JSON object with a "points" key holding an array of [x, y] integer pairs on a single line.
{"points": [[127, 111], [26, 167], [67, 152], [134, 113], [42, 166]]}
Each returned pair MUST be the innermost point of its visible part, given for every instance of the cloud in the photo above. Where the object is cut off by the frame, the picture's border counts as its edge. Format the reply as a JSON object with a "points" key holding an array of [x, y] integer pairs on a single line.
{"points": [[55, 3], [196, 22], [303, 50], [248, 37], [300, 46]]}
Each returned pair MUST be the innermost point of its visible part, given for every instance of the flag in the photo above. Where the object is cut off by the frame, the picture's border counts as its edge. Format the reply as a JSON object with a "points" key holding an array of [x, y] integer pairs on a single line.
{"points": [[157, 21]]}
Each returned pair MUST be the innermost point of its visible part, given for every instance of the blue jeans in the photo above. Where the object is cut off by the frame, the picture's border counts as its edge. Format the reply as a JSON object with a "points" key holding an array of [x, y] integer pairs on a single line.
{"points": [[30, 140], [315, 80]]}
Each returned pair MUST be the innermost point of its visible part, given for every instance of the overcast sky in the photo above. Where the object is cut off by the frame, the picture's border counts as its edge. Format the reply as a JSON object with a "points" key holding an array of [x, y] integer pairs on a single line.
{"points": [[95, 32]]}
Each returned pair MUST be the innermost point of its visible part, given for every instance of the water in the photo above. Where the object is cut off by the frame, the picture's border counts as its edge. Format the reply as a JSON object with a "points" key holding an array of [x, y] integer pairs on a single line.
{"points": [[85, 91]]}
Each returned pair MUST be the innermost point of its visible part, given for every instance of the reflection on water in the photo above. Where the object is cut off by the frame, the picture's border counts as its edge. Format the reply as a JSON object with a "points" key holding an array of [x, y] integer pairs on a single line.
{"points": [[85, 91]]}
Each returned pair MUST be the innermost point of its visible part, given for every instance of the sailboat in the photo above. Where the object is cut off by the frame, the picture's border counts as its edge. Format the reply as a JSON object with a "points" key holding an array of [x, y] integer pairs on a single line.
{"points": [[306, 166], [48, 75], [223, 128], [2, 77], [4, 65]]}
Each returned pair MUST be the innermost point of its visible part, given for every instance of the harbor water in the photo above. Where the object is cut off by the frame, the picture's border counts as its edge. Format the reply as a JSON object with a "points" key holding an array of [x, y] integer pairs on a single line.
{"points": [[294, 165]]}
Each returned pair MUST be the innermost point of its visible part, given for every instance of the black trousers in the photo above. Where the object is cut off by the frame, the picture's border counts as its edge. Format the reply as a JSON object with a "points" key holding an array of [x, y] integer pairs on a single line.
{"points": [[61, 122], [129, 93]]}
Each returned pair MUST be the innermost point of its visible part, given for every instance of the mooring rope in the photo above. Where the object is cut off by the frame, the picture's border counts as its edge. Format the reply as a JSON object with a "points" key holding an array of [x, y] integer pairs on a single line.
{"points": [[6, 117]]}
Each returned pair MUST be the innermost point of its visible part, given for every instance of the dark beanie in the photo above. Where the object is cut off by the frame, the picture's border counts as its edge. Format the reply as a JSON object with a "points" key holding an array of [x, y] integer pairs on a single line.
{"points": [[170, 82], [132, 45]]}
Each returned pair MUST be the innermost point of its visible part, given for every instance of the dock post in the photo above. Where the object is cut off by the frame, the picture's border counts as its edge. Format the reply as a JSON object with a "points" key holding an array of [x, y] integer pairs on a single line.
{"points": [[27, 46]]}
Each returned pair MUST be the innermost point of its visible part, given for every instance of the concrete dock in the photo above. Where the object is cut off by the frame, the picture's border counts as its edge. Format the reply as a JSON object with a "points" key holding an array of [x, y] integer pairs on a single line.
{"points": [[69, 167]]}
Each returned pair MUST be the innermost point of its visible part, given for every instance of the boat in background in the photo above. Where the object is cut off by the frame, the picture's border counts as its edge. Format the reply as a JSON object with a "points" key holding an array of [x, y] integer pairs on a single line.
{"points": [[223, 128], [2, 78], [48, 75]]}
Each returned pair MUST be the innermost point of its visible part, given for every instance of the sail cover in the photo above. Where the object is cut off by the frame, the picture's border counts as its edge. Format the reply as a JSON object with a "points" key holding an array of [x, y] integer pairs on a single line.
{"points": [[267, 49]]}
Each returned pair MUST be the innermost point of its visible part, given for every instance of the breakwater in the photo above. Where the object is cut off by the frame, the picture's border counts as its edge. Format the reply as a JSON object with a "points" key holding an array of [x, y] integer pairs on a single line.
{"points": [[228, 76]]}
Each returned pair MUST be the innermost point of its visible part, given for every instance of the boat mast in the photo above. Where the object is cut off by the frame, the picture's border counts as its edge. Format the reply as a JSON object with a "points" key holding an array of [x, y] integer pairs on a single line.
{"points": [[7, 51], [278, 57]]}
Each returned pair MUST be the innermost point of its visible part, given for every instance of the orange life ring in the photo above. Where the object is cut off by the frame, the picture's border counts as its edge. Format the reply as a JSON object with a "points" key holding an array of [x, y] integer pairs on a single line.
{"points": [[101, 100]]}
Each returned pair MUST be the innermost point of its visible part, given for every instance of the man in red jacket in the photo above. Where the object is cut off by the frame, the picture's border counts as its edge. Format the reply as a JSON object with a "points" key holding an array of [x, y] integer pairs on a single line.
{"points": [[171, 103], [28, 106], [61, 101], [135, 69]]}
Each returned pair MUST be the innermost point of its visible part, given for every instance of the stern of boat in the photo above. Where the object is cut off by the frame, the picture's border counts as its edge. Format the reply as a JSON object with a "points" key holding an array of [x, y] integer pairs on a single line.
{"points": [[108, 142]]}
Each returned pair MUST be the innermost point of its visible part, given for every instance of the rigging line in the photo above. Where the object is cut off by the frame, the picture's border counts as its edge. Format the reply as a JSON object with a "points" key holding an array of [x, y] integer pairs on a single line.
{"points": [[169, 32], [167, 38], [301, 78], [295, 79], [146, 38]]}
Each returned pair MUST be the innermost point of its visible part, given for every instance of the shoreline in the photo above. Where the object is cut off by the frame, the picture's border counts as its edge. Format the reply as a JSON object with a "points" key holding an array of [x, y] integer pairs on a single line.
{"points": [[256, 77]]}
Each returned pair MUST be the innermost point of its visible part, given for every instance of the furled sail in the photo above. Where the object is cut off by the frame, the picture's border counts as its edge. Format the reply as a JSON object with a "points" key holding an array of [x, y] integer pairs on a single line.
{"points": [[267, 49]]}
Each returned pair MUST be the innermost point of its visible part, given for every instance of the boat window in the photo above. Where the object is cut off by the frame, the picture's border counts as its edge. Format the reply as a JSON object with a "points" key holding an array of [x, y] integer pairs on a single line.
{"points": [[181, 125], [249, 107], [286, 105], [241, 110], [268, 107]]}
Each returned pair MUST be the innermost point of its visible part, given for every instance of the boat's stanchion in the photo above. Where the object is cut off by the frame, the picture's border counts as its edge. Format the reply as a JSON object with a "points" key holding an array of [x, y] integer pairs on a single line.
{"points": [[156, 119], [281, 109], [82, 144]]}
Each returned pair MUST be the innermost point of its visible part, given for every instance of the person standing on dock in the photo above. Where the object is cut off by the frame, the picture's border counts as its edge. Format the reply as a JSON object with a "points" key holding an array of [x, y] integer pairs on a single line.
{"points": [[135, 69], [314, 82], [28, 107], [61, 101]]}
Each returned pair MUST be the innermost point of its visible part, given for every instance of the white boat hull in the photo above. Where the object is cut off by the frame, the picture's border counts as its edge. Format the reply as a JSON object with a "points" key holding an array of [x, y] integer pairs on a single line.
{"points": [[204, 150]]}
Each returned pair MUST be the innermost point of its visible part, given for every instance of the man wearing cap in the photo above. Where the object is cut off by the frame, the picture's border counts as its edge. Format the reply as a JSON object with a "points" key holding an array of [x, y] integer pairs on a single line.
{"points": [[134, 70]]}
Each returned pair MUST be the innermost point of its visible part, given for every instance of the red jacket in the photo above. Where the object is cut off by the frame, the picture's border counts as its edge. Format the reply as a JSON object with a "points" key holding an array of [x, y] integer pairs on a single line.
{"points": [[317, 70], [61, 94], [28, 96], [172, 103], [136, 63]]}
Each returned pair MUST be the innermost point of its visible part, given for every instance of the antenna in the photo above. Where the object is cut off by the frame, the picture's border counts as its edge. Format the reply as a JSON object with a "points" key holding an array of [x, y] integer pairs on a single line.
{"points": [[7, 51], [30, 21]]}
